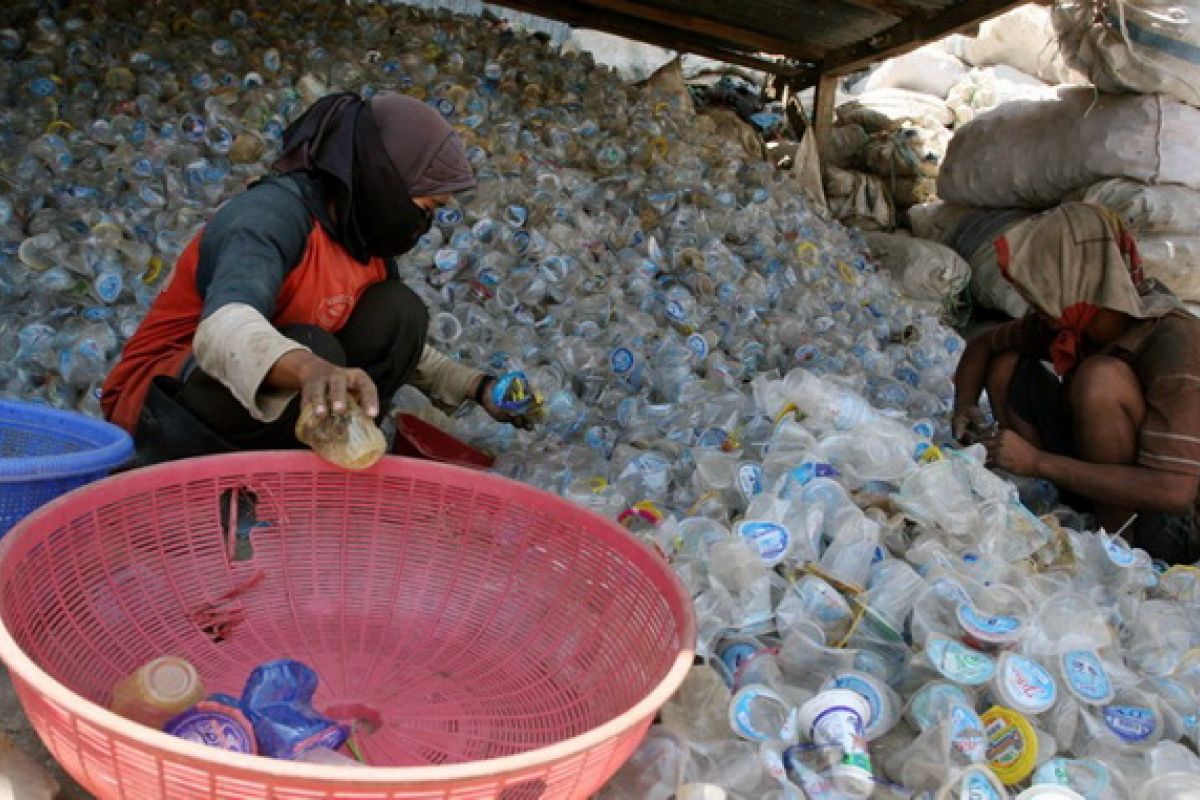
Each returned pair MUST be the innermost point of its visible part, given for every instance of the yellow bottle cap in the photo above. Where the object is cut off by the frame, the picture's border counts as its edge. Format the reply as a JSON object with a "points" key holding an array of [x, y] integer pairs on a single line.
{"points": [[1012, 744]]}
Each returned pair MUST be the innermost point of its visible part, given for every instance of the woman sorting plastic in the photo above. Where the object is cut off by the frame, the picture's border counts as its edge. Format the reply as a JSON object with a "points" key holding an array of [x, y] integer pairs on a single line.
{"points": [[290, 297]]}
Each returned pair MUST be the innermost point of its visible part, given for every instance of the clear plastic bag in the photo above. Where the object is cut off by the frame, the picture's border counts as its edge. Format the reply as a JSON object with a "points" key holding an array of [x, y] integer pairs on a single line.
{"points": [[349, 439]]}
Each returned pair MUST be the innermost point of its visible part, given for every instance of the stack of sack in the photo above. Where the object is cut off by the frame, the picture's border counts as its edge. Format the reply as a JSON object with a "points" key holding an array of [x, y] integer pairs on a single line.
{"points": [[892, 135], [1128, 144]]}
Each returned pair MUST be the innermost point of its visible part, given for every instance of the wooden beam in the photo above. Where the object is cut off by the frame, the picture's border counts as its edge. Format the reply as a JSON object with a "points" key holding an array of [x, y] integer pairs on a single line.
{"points": [[743, 38], [912, 32], [823, 110], [651, 33], [896, 8]]}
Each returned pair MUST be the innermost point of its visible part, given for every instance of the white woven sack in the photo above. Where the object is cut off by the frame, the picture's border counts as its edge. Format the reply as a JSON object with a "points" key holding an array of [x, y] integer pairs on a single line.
{"points": [[1149, 46], [1033, 154]]}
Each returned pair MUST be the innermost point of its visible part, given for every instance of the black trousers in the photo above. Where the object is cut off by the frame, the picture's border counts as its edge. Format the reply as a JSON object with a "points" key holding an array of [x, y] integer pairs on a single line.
{"points": [[384, 337]]}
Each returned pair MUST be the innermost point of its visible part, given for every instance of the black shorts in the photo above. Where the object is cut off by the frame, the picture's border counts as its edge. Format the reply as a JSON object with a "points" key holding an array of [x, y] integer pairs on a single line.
{"points": [[1039, 397]]}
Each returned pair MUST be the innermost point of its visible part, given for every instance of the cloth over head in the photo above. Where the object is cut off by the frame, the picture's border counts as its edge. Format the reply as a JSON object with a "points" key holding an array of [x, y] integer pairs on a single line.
{"points": [[377, 155], [1073, 261]]}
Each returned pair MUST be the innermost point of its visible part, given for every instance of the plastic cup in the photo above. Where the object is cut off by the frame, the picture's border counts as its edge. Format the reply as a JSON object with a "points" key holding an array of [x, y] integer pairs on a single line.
{"points": [[1173, 786], [883, 703], [838, 718], [758, 714], [700, 791], [445, 328], [1132, 721], [1023, 684], [974, 783], [958, 662]]}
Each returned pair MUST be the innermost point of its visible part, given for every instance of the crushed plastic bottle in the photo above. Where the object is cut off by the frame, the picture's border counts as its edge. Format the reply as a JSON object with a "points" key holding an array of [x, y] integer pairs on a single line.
{"points": [[348, 438], [723, 369]]}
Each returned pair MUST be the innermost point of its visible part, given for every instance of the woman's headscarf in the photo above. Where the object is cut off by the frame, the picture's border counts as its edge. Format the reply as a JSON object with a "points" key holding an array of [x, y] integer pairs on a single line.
{"points": [[1070, 263], [377, 155]]}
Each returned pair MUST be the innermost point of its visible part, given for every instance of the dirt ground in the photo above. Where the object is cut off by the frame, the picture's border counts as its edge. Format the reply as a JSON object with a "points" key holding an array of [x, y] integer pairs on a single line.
{"points": [[15, 725]]}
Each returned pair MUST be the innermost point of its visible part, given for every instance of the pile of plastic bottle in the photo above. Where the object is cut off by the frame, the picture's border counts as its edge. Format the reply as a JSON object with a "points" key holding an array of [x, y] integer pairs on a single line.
{"points": [[720, 368]]}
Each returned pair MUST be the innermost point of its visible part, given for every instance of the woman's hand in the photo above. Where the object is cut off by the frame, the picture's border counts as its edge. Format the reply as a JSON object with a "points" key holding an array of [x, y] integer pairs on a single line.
{"points": [[484, 392], [326, 387]]}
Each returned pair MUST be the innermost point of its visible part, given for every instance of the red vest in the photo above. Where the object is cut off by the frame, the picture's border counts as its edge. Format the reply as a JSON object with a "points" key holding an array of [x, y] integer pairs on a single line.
{"points": [[322, 290]]}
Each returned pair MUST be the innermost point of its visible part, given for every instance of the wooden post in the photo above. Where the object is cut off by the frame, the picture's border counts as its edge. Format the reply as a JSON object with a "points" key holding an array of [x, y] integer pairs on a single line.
{"points": [[823, 108]]}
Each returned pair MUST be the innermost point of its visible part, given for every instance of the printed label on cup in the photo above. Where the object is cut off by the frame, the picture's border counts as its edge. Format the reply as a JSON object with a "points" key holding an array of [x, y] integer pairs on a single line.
{"points": [[1086, 676], [770, 538], [1131, 724]]}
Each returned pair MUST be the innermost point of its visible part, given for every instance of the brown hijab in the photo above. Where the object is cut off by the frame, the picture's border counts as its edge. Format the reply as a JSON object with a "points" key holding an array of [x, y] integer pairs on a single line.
{"points": [[374, 157]]}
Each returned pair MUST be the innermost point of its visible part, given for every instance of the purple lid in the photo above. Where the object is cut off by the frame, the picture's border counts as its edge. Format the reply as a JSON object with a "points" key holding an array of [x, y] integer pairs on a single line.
{"points": [[216, 725]]}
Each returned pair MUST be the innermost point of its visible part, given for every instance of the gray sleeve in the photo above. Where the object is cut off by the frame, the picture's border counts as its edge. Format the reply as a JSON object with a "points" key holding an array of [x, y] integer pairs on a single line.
{"points": [[250, 246]]}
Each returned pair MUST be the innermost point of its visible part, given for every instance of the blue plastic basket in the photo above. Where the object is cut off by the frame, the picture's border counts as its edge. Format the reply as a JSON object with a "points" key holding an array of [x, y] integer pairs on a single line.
{"points": [[45, 453]]}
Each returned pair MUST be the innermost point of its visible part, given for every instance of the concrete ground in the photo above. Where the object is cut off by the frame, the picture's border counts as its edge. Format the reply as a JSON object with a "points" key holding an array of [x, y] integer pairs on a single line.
{"points": [[15, 725]]}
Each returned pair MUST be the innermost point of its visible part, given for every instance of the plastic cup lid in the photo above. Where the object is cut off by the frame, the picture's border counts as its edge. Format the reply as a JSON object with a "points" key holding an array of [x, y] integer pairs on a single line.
{"points": [[989, 628], [170, 678], [958, 662], [1012, 744], [1025, 684], [1049, 792], [1086, 678]]}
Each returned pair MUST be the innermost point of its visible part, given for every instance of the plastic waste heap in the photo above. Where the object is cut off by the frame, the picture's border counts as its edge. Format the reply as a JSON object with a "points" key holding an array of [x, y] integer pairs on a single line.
{"points": [[719, 367]]}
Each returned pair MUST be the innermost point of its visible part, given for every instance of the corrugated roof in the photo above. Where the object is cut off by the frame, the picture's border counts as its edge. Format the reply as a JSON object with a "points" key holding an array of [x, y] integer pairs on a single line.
{"points": [[801, 38]]}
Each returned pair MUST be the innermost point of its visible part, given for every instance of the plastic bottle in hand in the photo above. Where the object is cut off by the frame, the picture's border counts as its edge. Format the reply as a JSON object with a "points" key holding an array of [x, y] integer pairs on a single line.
{"points": [[349, 439]]}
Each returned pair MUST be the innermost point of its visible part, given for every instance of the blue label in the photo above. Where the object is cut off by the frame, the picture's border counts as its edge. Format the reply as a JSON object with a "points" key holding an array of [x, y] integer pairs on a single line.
{"points": [[1132, 724], [750, 480], [713, 438], [449, 216], [516, 216], [868, 692], [978, 787], [698, 345], [770, 538], [810, 470], [736, 654], [622, 360], [1086, 676], [446, 260], [742, 717], [999, 627], [1119, 552], [676, 311]]}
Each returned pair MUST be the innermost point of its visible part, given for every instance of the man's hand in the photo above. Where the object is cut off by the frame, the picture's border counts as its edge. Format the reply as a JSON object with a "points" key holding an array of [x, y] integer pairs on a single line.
{"points": [[326, 387], [1007, 450], [968, 423]]}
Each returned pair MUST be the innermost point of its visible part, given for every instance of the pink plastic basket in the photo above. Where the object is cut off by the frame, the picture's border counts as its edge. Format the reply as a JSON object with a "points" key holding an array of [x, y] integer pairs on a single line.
{"points": [[489, 640]]}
